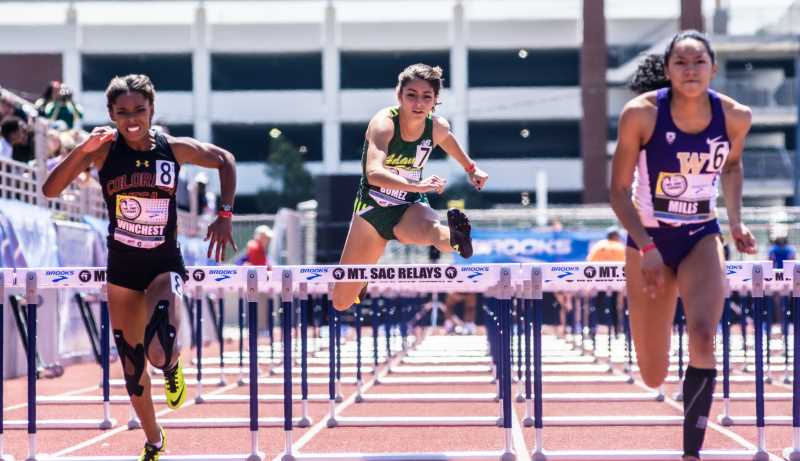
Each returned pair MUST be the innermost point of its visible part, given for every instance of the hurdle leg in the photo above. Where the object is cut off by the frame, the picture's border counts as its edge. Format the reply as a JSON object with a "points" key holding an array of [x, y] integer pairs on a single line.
{"points": [[793, 453], [331, 358], [758, 331], [725, 418], [337, 319], [528, 420], [538, 424], [520, 397], [678, 395], [305, 420], [3, 456], [287, 299], [241, 338], [220, 333], [505, 294], [786, 306], [252, 340], [199, 317], [32, 296], [746, 307], [359, 381], [105, 345]]}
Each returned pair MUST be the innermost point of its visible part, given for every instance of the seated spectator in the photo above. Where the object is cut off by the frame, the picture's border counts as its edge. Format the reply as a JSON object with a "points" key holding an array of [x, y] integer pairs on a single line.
{"points": [[14, 132]]}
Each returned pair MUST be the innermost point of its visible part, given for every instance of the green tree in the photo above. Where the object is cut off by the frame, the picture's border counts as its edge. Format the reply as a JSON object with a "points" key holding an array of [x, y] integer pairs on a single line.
{"points": [[289, 181]]}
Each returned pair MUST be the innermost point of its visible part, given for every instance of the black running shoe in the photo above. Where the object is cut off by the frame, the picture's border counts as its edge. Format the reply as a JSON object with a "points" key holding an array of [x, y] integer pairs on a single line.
{"points": [[460, 230]]}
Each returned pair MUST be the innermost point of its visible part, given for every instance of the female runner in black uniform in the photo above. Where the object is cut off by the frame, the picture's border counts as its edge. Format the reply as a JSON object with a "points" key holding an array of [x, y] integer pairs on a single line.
{"points": [[138, 170]]}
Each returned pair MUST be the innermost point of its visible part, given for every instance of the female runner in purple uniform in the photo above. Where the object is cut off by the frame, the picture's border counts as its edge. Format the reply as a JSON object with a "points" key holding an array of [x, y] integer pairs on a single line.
{"points": [[676, 140]]}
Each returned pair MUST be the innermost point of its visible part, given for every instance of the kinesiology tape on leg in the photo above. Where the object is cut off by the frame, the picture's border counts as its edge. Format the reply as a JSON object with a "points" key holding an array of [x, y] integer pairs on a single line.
{"points": [[160, 328], [132, 359], [698, 392]]}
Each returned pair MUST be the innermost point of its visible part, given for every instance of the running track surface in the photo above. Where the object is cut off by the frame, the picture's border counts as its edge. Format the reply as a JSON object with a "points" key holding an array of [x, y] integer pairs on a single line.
{"points": [[82, 379]]}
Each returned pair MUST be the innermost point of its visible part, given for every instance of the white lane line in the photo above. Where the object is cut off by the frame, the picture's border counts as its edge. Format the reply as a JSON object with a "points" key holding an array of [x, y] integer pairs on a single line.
{"points": [[64, 394], [322, 424], [124, 427], [722, 430], [519, 438]]}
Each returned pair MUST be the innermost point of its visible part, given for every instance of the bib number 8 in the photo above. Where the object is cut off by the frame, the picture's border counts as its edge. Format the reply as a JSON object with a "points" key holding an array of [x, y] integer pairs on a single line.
{"points": [[165, 174]]}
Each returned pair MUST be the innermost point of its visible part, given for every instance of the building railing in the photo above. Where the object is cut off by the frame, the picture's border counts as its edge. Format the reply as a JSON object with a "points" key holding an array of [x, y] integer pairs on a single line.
{"points": [[748, 91]]}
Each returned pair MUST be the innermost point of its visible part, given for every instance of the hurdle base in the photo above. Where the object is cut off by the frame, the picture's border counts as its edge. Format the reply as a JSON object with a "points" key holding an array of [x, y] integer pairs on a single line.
{"points": [[725, 420], [288, 457], [508, 456], [791, 454], [241, 382], [222, 382], [761, 456], [108, 423], [538, 455], [134, 424], [331, 423], [338, 399], [678, 396], [520, 398], [359, 398], [527, 422], [304, 422], [199, 399], [258, 456]]}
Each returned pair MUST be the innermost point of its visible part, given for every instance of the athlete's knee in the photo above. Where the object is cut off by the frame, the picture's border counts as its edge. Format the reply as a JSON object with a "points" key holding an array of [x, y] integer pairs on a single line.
{"points": [[701, 335], [342, 298], [132, 360], [160, 337], [653, 373]]}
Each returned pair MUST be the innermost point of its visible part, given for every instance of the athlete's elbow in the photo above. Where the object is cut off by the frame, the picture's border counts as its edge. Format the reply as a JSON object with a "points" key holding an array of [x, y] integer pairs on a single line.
{"points": [[49, 190]]}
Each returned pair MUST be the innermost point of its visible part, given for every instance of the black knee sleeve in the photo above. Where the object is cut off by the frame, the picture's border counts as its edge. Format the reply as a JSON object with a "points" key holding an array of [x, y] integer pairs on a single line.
{"points": [[159, 327], [133, 358]]}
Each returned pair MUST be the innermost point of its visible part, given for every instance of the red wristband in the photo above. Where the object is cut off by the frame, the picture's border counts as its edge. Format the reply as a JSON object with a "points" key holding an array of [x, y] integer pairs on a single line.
{"points": [[471, 168], [649, 247], [225, 214]]}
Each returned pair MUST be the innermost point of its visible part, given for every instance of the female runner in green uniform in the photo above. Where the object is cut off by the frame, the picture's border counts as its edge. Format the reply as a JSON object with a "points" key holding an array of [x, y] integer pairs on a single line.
{"points": [[391, 202]]}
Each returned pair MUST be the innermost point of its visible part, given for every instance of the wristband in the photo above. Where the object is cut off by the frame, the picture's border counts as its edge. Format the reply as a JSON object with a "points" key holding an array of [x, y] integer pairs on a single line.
{"points": [[225, 214], [471, 168], [649, 247]]}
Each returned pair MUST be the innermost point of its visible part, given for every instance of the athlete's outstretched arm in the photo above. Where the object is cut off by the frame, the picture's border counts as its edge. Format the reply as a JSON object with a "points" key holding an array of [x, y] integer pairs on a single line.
{"points": [[81, 158], [379, 134], [737, 120], [442, 136], [192, 151]]}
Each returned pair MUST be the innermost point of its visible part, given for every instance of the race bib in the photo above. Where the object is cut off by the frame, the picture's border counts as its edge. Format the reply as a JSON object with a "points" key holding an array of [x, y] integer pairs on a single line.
{"points": [[684, 197], [140, 222]]}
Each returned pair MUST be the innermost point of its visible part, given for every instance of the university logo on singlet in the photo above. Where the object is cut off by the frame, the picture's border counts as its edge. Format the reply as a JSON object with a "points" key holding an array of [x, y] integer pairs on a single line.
{"points": [[676, 175], [405, 159], [139, 188]]}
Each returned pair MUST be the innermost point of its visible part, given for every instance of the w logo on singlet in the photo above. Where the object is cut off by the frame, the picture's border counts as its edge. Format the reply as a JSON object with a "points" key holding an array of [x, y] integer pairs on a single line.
{"points": [[705, 162]]}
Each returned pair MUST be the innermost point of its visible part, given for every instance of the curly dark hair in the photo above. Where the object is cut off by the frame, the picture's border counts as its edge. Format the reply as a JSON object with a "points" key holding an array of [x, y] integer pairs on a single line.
{"points": [[652, 73], [420, 71]]}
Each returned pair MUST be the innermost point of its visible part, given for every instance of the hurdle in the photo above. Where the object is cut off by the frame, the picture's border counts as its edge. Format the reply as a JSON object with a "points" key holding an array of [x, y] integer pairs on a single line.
{"points": [[442, 275], [34, 279], [571, 275]]}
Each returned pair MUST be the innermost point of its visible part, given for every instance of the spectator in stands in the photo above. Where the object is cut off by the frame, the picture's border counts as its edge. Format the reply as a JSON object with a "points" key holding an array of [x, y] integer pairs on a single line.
{"points": [[14, 132], [64, 108], [780, 250], [258, 247], [48, 95], [611, 249]]}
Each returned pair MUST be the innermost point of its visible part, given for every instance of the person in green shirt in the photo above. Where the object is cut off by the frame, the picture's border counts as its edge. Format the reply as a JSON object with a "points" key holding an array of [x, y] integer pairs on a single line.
{"points": [[391, 203]]}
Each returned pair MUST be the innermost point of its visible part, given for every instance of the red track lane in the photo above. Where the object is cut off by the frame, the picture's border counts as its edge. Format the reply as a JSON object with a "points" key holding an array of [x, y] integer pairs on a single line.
{"points": [[374, 439]]}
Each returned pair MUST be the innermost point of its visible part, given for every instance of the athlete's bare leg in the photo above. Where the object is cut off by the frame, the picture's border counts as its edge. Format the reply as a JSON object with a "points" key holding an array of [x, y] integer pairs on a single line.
{"points": [[129, 315], [701, 277], [364, 245], [420, 226], [651, 319]]}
